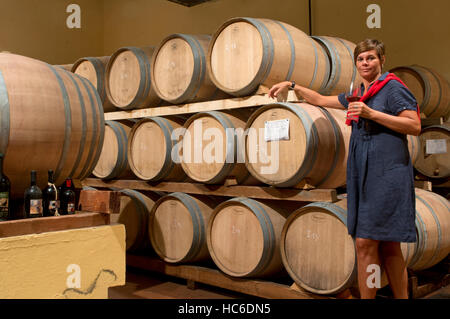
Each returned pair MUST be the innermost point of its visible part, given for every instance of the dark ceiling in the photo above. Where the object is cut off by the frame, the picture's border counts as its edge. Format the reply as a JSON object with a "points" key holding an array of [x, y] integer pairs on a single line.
{"points": [[188, 3]]}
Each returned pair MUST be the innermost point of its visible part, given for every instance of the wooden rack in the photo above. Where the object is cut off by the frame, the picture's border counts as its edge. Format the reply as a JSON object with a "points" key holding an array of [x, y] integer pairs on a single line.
{"points": [[258, 192], [200, 274], [260, 98]]}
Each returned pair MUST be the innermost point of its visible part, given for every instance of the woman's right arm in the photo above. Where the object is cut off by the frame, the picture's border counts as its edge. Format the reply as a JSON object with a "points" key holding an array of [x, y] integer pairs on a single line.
{"points": [[311, 96]]}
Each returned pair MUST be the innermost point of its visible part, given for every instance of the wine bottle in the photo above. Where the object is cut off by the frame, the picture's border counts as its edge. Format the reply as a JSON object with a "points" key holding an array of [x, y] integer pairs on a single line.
{"points": [[67, 199], [50, 198], [33, 199], [5, 190]]}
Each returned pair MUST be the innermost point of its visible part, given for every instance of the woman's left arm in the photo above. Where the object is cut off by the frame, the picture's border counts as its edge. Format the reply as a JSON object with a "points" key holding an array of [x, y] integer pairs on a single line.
{"points": [[406, 122]]}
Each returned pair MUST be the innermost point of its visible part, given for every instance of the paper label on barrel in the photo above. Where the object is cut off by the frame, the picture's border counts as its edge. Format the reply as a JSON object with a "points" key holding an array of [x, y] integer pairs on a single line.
{"points": [[276, 130], [436, 146]]}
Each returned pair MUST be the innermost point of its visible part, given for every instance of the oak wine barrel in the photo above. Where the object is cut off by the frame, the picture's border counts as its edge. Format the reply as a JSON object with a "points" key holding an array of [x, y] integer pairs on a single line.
{"points": [[212, 148], [113, 161], [433, 159], [93, 69], [49, 119], [413, 147], [134, 211], [177, 227], [179, 72], [247, 52], [431, 89], [316, 249], [128, 79], [288, 143], [243, 237], [152, 149], [433, 231], [342, 67]]}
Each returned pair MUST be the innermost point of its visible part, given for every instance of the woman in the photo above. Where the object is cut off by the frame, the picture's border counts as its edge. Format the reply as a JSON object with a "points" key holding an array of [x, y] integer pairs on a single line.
{"points": [[380, 186]]}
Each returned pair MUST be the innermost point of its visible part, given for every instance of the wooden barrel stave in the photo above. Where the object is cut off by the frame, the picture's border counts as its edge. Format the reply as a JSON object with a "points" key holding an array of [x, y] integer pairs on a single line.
{"points": [[413, 148], [93, 69]]}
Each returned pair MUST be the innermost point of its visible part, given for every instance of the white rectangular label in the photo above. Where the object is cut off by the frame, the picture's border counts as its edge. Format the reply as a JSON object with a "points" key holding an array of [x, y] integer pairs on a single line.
{"points": [[436, 146], [276, 130]]}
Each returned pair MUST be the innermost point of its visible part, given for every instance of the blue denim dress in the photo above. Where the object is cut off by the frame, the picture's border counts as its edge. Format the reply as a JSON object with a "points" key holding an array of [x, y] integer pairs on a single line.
{"points": [[380, 180]]}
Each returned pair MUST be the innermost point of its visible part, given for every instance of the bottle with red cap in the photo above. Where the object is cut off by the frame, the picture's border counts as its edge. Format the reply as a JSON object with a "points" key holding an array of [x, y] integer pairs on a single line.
{"points": [[67, 200]]}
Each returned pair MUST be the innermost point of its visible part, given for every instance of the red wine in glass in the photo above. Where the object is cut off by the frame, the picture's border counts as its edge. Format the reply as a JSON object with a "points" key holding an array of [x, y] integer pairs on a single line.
{"points": [[352, 98], [353, 95]]}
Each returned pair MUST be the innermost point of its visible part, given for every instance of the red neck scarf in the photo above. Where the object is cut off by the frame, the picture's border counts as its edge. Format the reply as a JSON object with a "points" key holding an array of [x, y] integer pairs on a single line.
{"points": [[377, 86]]}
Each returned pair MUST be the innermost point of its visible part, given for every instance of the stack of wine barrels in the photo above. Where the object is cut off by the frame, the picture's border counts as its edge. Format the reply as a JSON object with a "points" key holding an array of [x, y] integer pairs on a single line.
{"points": [[278, 144], [242, 55], [319, 255], [431, 89], [432, 92], [49, 119]]}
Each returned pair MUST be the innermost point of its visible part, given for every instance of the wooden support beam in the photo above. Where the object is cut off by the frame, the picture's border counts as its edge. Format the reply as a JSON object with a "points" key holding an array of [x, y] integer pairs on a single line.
{"points": [[214, 277], [425, 185], [99, 201], [259, 192], [217, 105]]}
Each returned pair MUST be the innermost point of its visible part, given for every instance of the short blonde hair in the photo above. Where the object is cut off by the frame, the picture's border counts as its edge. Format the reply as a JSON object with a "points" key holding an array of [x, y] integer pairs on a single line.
{"points": [[367, 45]]}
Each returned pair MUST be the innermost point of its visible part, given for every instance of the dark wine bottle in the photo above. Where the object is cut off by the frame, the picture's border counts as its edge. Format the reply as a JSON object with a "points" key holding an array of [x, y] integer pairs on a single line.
{"points": [[5, 190], [67, 199], [50, 197], [33, 199]]}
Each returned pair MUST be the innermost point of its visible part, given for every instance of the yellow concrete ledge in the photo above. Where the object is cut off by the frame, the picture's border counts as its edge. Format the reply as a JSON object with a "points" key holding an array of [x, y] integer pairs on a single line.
{"points": [[77, 263]]}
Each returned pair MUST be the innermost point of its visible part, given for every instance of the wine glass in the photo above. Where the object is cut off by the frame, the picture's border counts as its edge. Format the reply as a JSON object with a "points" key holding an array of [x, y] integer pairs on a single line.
{"points": [[353, 95]]}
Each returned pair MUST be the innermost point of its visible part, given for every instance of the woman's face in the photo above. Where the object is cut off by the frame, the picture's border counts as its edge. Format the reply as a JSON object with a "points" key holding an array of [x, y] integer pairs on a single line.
{"points": [[369, 65]]}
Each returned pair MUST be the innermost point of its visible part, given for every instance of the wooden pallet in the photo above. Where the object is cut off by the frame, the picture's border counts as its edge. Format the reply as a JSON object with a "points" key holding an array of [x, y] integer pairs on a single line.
{"points": [[258, 192], [214, 277], [424, 282]]}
